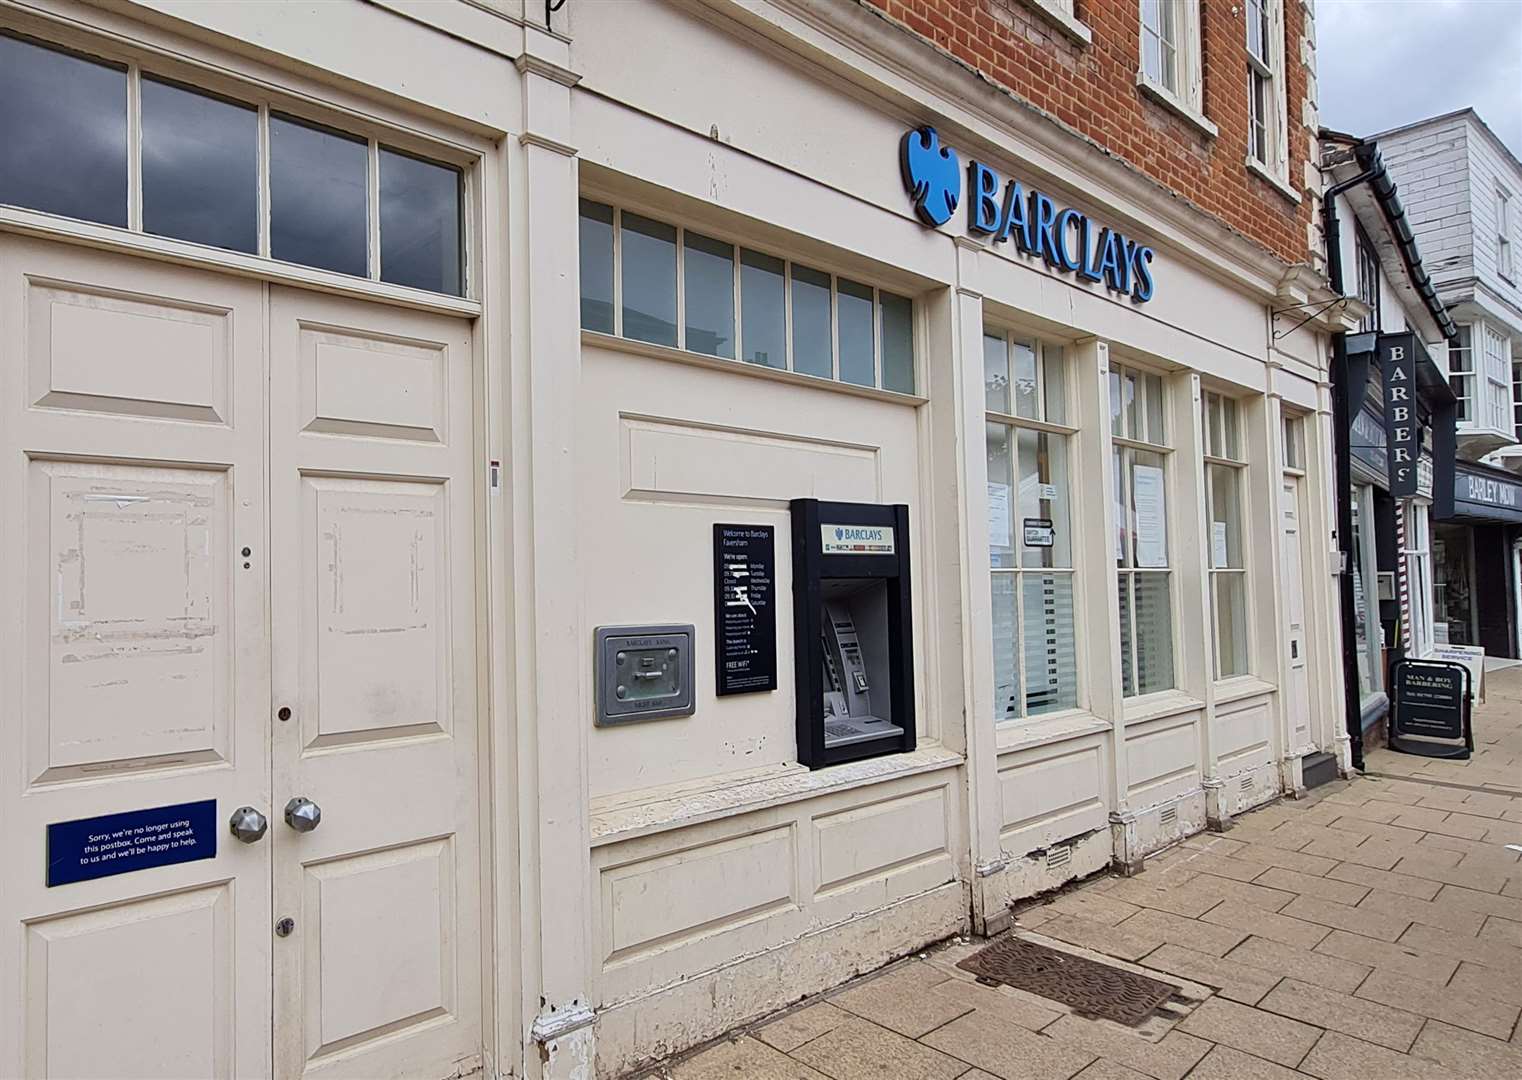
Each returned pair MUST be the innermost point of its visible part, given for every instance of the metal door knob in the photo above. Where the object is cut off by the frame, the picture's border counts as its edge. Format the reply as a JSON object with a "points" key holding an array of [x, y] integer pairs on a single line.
{"points": [[302, 814], [247, 824]]}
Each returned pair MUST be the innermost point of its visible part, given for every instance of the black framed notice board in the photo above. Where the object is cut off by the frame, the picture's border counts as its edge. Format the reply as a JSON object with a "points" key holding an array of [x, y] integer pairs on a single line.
{"points": [[744, 609]]}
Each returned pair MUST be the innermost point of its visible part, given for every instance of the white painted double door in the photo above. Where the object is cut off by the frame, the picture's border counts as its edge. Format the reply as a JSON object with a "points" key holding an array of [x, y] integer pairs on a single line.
{"points": [[221, 500]]}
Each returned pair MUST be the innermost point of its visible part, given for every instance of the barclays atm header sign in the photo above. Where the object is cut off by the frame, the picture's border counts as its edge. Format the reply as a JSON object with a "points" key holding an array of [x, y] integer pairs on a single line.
{"points": [[1065, 239]]}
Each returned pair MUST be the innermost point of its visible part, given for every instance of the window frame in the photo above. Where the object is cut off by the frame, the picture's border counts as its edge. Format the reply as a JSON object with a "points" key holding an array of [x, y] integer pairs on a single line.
{"points": [[1041, 424], [1516, 399], [1187, 94], [1272, 155], [1366, 565], [1461, 378], [1366, 258], [1505, 261], [1495, 368], [1124, 446], [1417, 556], [738, 250], [1218, 457], [396, 134]]}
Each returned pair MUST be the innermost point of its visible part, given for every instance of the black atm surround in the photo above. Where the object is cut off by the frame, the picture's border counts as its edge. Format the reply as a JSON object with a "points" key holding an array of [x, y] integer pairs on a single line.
{"points": [[811, 568]]}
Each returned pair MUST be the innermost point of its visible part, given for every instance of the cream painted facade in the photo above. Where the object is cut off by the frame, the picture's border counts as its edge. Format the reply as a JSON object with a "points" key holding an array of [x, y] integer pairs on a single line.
{"points": [[441, 497]]}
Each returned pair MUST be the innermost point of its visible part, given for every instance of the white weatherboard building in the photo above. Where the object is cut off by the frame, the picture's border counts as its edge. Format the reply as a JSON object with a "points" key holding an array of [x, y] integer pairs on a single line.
{"points": [[359, 364], [1463, 187]]}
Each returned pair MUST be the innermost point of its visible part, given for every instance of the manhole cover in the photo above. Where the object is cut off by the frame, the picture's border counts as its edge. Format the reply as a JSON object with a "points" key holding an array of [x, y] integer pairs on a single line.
{"points": [[1091, 988]]}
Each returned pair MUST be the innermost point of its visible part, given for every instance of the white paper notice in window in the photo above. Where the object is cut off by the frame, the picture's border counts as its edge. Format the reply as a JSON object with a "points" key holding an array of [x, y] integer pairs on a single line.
{"points": [[1151, 521], [1218, 556], [998, 516]]}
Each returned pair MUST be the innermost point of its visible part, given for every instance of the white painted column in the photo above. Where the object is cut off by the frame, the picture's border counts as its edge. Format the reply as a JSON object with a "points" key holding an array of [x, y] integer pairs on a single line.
{"points": [[1098, 590], [1323, 614], [985, 806], [1263, 522], [549, 645], [1190, 557]]}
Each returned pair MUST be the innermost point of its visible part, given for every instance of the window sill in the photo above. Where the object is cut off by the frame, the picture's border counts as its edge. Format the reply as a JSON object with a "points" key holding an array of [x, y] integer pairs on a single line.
{"points": [[1156, 706], [1272, 179], [615, 818], [1016, 735], [1241, 686], [740, 367], [1068, 24], [1163, 96]]}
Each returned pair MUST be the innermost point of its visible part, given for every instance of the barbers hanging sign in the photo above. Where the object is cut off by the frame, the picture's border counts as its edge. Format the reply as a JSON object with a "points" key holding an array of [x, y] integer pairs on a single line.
{"points": [[1063, 238], [1397, 365]]}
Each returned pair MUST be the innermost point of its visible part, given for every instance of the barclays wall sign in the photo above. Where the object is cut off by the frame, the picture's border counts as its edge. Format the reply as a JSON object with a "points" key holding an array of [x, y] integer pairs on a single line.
{"points": [[1065, 239]]}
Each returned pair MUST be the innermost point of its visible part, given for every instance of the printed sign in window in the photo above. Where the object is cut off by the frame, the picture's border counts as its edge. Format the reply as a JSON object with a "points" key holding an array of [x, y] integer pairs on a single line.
{"points": [[1151, 521]]}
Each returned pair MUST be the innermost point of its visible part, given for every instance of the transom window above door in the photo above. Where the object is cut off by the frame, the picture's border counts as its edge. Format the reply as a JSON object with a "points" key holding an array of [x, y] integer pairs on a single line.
{"points": [[109, 143]]}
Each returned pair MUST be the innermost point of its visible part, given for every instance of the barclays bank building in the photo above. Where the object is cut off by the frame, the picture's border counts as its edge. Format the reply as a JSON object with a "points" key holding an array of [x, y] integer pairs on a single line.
{"points": [[540, 535]]}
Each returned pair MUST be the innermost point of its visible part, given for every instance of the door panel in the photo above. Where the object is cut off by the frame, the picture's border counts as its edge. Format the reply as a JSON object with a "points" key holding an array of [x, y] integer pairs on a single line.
{"points": [[374, 640], [1297, 691], [135, 672], [84, 968]]}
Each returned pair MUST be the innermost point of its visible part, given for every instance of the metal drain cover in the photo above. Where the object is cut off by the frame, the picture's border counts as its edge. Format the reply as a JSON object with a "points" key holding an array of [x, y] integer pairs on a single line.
{"points": [[1091, 988]]}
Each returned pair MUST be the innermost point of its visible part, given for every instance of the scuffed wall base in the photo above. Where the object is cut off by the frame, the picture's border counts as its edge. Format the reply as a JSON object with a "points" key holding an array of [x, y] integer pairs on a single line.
{"points": [[1252, 789], [1138, 834], [640, 1031], [1292, 777], [1038, 872]]}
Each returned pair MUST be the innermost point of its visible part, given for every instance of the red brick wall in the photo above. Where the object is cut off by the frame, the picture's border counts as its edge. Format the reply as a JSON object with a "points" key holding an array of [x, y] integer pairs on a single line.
{"points": [[1092, 88]]}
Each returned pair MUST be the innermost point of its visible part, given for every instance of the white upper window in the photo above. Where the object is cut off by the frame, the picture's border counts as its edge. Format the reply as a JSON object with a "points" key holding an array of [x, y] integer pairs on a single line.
{"points": [[1504, 264], [1170, 51], [1461, 372], [1516, 399], [1267, 142], [1497, 367]]}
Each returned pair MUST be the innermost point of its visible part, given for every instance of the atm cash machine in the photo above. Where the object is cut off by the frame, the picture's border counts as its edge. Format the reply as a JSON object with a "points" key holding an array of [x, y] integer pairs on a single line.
{"points": [[852, 631]]}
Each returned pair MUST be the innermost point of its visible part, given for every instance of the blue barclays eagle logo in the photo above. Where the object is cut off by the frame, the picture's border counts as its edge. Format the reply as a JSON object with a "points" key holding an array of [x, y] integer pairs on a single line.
{"points": [[932, 175], [840, 534]]}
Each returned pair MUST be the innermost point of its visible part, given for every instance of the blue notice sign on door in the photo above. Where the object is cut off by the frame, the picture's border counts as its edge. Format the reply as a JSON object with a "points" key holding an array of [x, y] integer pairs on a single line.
{"points": [[134, 840]]}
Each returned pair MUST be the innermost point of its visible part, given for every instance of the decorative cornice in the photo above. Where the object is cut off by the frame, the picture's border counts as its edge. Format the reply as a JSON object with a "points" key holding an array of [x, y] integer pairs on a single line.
{"points": [[544, 142], [529, 64]]}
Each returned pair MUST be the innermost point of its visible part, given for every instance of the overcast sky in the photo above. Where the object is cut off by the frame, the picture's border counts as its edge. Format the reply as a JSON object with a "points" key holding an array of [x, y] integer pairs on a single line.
{"points": [[1384, 63]]}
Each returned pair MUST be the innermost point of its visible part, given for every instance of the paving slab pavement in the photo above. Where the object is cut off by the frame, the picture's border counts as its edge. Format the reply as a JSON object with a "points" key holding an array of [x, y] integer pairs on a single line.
{"points": [[1371, 931]]}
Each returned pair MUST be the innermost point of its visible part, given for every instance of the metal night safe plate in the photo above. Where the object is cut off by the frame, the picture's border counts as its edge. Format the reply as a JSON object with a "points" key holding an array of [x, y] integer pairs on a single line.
{"points": [[643, 673], [1091, 988]]}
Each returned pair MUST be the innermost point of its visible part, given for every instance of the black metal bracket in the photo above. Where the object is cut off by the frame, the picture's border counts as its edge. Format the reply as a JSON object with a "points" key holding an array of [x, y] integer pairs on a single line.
{"points": [[1316, 309], [550, 7]]}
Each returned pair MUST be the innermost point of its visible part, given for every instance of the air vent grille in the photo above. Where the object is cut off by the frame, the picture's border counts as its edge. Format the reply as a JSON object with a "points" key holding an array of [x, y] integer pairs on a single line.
{"points": [[1058, 857], [1169, 815], [1248, 785]]}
